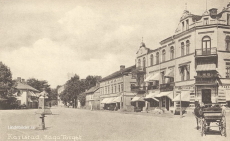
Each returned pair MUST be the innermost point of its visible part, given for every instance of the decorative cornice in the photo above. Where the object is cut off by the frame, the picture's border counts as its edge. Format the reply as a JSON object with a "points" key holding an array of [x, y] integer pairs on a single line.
{"points": [[171, 43], [226, 32], [184, 38], [205, 32], [224, 51], [185, 63]]}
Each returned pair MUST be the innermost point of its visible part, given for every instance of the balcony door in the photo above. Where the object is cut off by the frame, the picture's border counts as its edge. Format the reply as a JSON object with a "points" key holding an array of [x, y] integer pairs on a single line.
{"points": [[206, 96], [206, 45]]}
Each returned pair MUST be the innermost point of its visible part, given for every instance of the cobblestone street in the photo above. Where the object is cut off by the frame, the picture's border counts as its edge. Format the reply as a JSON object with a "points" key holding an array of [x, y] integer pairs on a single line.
{"points": [[69, 124]]}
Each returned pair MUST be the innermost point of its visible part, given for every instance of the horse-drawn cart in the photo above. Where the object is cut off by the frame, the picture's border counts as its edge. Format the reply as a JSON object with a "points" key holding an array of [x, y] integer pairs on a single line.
{"points": [[213, 114]]}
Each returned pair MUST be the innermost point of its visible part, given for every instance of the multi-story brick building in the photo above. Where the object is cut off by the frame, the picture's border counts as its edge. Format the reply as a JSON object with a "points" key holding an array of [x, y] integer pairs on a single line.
{"points": [[115, 89], [195, 62]]}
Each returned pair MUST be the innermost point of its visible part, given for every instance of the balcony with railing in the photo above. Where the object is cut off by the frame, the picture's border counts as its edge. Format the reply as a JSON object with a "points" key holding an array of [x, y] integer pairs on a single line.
{"points": [[167, 87], [206, 81], [152, 87], [206, 52], [138, 88]]}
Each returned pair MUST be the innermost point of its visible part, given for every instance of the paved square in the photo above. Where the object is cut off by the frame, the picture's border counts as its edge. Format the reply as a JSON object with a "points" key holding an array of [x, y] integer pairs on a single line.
{"points": [[69, 124]]}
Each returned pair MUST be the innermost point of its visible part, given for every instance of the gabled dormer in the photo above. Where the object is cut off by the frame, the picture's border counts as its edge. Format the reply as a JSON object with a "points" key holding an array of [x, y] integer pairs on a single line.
{"points": [[186, 20]]}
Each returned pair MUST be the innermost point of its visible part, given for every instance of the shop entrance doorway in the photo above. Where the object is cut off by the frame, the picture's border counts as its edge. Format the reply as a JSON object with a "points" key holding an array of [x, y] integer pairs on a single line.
{"points": [[206, 96]]}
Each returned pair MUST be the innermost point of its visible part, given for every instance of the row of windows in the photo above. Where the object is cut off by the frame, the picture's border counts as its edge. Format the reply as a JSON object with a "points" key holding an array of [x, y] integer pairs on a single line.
{"points": [[113, 81], [185, 49], [112, 89], [183, 52]]}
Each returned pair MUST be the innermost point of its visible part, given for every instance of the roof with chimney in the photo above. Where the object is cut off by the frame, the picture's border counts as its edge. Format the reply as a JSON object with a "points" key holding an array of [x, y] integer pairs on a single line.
{"points": [[92, 89], [118, 73], [21, 86]]}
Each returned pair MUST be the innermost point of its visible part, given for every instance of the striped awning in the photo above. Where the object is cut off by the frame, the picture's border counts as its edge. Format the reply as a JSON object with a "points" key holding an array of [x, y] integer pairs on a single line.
{"points": [[110, 100], [30, 93], [104, 100], [137, 98], [169, 73], [206, 67], [152, 77], [29, 100], [185, 96], [169, 94], [117, 99], [152, 96]]}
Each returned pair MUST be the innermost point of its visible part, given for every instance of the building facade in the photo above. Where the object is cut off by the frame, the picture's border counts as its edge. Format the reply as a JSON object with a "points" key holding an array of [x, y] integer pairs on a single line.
{"points": [[115, 89], [26, 95], [93, 98], [191, 65]]}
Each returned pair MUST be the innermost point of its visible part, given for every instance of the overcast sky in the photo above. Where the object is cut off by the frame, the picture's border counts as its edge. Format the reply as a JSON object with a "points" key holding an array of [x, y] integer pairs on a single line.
{"points": [[46, 39]]}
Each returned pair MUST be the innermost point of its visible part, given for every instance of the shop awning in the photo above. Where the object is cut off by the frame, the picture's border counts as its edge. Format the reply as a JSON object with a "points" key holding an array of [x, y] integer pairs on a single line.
{"points": [[152, 96], [110, 100], [152, 77], [169, 73], [169, 94], [137, 98], [30, 93], [29, 100], [227, 95], [185, 96], [147, 79], [206, 67], [117, 99], [104, 100]]}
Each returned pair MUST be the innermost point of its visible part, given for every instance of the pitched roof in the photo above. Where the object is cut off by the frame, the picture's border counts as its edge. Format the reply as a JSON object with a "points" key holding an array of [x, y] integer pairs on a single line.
{"points": [[22, 86], [118, 73], [93, 89]]}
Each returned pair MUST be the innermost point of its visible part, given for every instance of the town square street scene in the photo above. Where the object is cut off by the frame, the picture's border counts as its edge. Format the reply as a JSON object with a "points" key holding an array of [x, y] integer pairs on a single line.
{"points": [[115, 70]]}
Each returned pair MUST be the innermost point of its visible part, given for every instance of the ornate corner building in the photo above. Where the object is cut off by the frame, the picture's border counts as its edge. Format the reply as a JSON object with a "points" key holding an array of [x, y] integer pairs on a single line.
{"points": [[191, 65]]}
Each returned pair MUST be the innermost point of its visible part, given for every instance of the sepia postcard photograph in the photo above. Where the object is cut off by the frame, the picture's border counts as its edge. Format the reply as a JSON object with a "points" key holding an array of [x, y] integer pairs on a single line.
{"points": [[114, 70]]}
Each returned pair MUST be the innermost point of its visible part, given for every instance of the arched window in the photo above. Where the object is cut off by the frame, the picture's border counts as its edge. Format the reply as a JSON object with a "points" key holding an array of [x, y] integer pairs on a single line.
{"points": [[139, 62], [227, 40], [157, 58], [151, 59], [144, 62], [163, 55], [172, 52], [206, 45], [182, 49], [187, 46]]}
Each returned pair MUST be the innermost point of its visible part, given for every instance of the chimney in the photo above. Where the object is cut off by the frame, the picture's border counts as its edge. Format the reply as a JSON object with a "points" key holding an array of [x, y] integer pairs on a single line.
{"points": [[213, 12], [122, 67], [19, 79]]}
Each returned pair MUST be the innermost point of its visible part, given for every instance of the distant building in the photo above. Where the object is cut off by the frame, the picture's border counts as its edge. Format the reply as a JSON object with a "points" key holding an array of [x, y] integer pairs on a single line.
{"points": [[93, 98], [26, 95], [115, 89]]}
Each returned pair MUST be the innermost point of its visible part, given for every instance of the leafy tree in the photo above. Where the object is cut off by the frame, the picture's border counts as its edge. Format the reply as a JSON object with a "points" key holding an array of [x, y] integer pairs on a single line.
{"points": [[82, 98], [73, 88], [5, 80], [53, 94], [6, 87], [40, 85], [91, 81]]}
